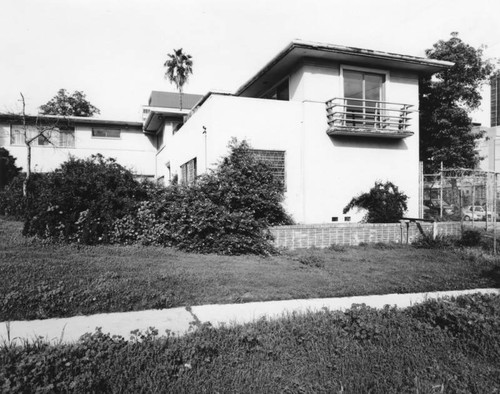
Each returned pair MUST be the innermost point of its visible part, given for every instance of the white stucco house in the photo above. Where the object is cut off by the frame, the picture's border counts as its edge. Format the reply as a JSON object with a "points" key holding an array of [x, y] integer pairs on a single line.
{"points": [[331, 120]]}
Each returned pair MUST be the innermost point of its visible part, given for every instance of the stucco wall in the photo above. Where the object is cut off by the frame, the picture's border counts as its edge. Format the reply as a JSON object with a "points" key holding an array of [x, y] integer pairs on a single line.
{"points": [[133, 149], [322, 173]]}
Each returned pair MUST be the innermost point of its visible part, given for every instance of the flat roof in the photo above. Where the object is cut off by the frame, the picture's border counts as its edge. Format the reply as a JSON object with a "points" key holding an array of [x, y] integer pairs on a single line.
{"points": [[71, 120], [281, 64], [172, 99]]}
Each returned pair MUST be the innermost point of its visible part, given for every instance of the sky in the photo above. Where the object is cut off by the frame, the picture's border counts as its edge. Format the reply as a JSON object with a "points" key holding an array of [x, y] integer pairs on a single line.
{"points": [[114, 50]]}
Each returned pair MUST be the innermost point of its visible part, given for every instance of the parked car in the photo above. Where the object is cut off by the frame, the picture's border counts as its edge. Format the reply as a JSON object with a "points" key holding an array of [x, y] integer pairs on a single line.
{"points": [[435, 206], [474, 212]]}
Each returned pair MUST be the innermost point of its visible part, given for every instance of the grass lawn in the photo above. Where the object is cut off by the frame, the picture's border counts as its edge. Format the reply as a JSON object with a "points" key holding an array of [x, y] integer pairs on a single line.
{"points": [[448, 346], [40, 280]]}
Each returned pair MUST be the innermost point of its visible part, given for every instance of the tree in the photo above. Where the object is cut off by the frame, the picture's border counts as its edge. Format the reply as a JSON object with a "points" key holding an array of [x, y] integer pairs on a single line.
{"points": [[446, 99], [179, 67], [41, 131], [65, 104], [384, 203], [8, 168]]}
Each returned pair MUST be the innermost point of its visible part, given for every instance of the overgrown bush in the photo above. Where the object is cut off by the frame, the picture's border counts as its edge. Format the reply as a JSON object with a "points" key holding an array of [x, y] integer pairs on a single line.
{"points": [[8, 168], [228, 210], [470, 237], [12, 201], [384, 203], [81, 200]]}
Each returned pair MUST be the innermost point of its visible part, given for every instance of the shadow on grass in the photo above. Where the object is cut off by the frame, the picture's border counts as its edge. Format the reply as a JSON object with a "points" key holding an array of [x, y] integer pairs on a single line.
{"points": [[493, 275]]}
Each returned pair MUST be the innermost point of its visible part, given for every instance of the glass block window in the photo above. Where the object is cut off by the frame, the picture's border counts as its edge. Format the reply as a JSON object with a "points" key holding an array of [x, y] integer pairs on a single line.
{"points": [[188, 172], [275, 159]]}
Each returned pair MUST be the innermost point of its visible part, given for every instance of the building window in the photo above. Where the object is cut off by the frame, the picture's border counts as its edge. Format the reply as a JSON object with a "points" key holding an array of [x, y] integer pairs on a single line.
{"points": [[275, 159], [188, 172], [67, 138], [279, 92], [106, 133], [17, 135], [52, 136], [363, 92], [159, 139]]}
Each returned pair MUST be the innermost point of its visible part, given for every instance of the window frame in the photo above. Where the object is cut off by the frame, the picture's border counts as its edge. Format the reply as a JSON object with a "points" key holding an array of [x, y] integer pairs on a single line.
{"points": [[366, 70], [53, 141], [383, 94], [106, 129], [274, 89]]}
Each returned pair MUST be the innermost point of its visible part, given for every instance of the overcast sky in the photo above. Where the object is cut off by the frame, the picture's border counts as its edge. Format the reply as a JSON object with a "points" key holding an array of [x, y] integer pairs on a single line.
{"points": [[114, 50]]}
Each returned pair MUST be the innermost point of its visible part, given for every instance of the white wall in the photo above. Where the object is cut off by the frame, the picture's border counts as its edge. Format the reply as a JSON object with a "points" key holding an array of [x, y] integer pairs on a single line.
{"points": [[323, 173], [133, 150]]}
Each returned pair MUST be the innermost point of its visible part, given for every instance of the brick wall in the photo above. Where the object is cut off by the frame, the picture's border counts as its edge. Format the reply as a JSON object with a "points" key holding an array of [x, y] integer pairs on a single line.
{"points": [[324, 235]]}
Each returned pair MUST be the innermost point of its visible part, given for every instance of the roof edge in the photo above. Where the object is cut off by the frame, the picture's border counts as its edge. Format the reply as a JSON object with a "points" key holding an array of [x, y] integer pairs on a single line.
{"points": [[342, 50], [73, 119]]}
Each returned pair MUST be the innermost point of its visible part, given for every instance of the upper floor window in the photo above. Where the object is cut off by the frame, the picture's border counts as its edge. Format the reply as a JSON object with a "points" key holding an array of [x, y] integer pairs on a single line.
{"points": [[159, 139], [363, 92], [279, 92], [43, 136], [106, 133]]}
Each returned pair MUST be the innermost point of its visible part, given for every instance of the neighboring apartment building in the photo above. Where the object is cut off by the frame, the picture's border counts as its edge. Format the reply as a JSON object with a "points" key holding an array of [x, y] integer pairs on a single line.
{"points": [[331, 120], [78, 137], [489, 146]]}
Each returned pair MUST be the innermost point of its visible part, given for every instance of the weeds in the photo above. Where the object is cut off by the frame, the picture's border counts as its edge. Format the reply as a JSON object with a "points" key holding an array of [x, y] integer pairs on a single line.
{"points": [[439, 346]]}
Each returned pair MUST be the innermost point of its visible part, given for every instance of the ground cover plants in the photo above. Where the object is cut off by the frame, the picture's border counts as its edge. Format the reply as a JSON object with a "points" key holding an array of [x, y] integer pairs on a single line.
{"points": [[435, 347], [42, 280]]}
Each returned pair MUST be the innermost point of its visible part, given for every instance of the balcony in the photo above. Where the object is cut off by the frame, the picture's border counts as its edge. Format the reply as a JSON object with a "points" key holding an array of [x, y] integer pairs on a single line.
{"points": [[368, 118]]}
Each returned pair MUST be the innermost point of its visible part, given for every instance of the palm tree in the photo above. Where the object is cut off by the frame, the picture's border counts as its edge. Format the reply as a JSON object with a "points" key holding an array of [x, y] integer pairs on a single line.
{"points": [[179, 67]]}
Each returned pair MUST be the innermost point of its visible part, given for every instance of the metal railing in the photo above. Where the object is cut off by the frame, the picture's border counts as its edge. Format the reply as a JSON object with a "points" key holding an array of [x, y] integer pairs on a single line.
{"points": [[368, 116]]}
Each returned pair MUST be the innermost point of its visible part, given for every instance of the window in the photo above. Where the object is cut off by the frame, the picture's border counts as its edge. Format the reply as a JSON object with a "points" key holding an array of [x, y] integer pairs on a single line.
{"points": [[279, 92], [159, 139], [67, 138], [17, 135], [188, 172], [52, 136], [363, 92], [106, 133], [275, 159]]}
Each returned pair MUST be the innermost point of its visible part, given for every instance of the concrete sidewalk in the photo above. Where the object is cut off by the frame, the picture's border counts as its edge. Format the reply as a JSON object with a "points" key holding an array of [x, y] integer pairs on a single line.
{"points": [[177, 320]]}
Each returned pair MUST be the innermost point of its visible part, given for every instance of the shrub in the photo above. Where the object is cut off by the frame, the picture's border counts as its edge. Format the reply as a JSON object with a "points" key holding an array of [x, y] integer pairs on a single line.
{"points": [[8, 168], [428, 242], [80, 200], [227, 211], [471, 237], [384, 203], [12, 201]]}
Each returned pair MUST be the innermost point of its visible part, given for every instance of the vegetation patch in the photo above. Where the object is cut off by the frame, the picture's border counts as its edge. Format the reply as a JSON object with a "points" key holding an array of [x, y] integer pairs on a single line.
{"points": [[43, 280], [439, 346]]}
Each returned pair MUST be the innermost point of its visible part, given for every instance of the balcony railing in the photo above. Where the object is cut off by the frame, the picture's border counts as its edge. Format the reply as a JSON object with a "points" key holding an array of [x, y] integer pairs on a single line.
{"points": [[369, 118]]}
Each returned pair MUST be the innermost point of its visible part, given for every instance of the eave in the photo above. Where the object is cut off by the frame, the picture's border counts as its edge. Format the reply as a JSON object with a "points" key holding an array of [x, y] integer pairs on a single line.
{"points": [[282, 63]]}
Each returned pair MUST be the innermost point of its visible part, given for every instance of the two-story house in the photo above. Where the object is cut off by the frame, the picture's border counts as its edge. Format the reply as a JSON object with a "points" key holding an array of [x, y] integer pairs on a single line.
{"points": [[330, 119]]}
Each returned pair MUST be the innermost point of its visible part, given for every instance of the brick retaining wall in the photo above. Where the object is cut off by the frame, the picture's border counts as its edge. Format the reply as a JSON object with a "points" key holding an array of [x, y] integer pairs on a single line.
{"points": [[324, 235]]}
